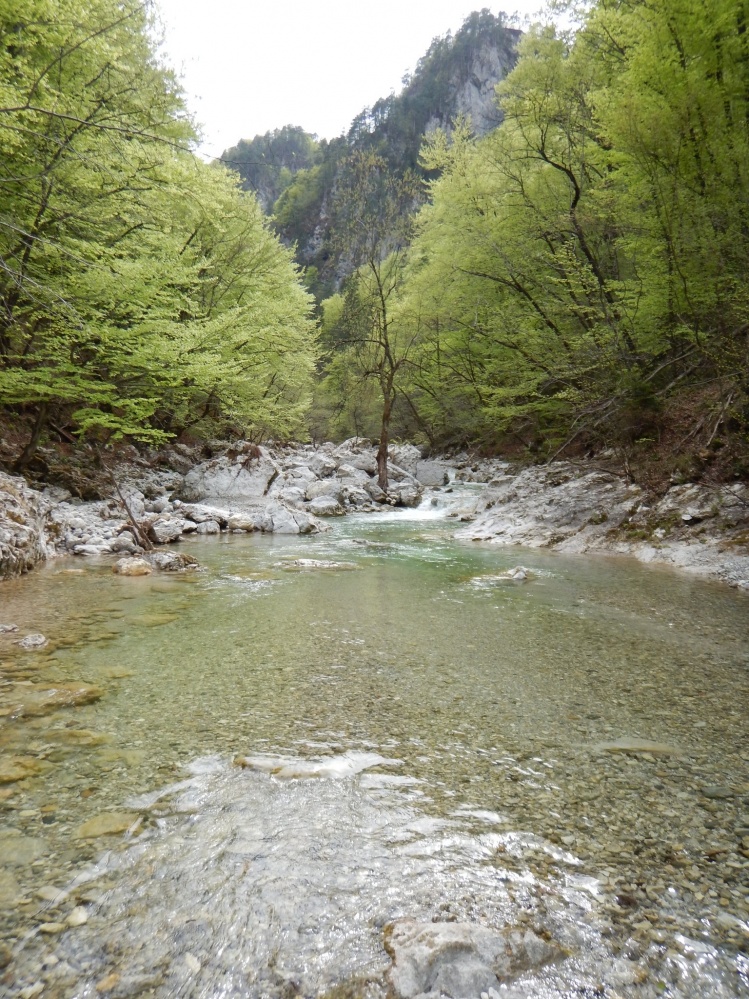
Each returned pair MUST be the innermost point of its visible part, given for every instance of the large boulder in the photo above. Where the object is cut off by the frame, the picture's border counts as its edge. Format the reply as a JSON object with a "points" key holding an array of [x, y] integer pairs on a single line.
{"points": [[431, 473], [322, 464], [23, 513], [460, 959], [405, 456], [242, 478], [329, 488], [325, 506]]}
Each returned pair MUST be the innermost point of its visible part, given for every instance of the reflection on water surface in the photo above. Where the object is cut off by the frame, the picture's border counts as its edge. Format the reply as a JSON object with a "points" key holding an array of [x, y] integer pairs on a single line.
{"points": [[496, 699]]}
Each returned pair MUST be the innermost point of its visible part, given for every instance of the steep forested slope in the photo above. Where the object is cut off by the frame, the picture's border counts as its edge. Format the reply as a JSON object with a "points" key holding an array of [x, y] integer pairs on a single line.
{"points": [[579, 275], [140, 291]]}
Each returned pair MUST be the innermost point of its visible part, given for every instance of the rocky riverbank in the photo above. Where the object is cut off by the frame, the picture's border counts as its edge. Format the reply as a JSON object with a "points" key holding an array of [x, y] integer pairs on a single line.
{"points": [[245, 488], [580, 509], [569, 507]]}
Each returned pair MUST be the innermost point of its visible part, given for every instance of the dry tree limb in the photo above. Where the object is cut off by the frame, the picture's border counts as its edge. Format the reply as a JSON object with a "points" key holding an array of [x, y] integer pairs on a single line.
{"points": [[140, 534]]}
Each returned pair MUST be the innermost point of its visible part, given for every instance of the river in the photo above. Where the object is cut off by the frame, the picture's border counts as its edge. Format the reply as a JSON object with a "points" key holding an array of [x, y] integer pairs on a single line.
{"points": [[447, 745]]}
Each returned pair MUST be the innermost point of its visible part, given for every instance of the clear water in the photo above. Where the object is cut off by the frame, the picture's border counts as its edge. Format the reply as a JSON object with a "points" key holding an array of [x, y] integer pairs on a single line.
{"points": [[489, 704]]}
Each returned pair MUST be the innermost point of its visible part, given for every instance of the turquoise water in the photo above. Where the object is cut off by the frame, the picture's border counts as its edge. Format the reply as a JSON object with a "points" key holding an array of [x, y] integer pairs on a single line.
{"points": [[490, 703]]}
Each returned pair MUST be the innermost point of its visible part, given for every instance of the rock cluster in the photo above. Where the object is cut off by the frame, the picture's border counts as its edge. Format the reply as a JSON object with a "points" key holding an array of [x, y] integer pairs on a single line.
{"points": [[245, 488], [578, 509]]}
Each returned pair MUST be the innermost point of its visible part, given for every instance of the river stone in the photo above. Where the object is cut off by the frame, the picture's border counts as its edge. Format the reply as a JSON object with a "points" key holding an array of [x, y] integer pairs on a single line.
{"points": [[246, 520], [717, 792], [314, 563], [459, 959], [132, 567], [406, 495], [9, 888], [15, 768], [77, 916], [42, 699], [322, 465], [6, 628], [635, 746], [35, 641], [106, 824], [20, 851], [245, 477], [124, 543], [374, 491], [76, 736]]}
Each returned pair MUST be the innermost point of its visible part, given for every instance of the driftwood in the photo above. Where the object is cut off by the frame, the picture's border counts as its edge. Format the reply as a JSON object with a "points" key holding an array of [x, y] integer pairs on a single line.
{"points": [[140, 535]]}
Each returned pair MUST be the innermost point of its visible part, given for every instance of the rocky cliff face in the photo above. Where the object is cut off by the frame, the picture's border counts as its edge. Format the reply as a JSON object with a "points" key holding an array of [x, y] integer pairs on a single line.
{"points": [[23, 513], [472, 88]]}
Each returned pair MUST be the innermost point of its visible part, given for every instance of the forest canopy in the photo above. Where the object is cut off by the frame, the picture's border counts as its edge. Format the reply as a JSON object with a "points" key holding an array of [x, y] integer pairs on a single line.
{"points": [[141, 292], [579, 275]]}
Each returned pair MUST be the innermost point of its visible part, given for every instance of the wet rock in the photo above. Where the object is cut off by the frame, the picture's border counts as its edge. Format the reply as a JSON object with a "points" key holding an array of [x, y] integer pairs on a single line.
{"points": [[107, 824], [171, 561], [132, 567], [460, 959], [9, 887], [20, 851], [15, 768], [76, 736], [51, 928], [42, 699], [302, 564], [639, 746], [35, 641], [406, 495], [78, 916], [108, 983], [333, 767], [7, 628], [717, 792]]}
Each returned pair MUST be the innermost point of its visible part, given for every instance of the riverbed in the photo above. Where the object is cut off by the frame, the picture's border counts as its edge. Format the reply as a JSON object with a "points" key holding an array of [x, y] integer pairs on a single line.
{"points": [[299, 755]]}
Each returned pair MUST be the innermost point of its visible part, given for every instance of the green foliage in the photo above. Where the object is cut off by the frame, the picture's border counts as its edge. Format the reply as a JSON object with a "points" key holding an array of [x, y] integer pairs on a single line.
{"points": [[269, 163], [588, 259], [140, 291]]}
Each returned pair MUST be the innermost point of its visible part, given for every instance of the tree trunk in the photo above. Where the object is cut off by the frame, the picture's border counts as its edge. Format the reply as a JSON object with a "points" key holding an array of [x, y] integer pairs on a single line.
{"points": [[28, 452], [382, 451]]}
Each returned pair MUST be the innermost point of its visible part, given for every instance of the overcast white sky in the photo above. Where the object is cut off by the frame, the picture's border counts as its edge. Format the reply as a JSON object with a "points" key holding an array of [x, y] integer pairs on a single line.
{"points": [[248, 66]]}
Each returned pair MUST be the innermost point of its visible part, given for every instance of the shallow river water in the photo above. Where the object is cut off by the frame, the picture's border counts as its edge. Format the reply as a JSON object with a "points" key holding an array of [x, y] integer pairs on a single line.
{"points": [[423, 740]]}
